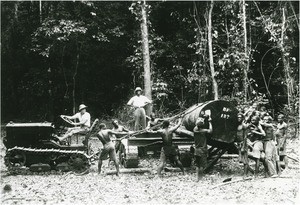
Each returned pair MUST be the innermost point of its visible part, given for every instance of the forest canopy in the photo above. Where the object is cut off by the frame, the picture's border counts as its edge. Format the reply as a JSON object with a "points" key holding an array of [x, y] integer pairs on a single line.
{"points": [[56, 55]]}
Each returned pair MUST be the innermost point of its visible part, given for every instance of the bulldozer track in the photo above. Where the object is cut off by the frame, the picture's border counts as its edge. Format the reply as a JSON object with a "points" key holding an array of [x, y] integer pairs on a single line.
{"points": [[22, 169]]}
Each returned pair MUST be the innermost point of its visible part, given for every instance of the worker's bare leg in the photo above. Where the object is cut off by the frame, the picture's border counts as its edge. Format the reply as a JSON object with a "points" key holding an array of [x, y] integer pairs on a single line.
{"points": [[200, 173], [240, 155], [245, 160], [179, 164], [99, 165], [117, 167], [266, 168], [160, 167], [246, 166], [278, 167], [256, 167], [162, 162], [285, 159]]}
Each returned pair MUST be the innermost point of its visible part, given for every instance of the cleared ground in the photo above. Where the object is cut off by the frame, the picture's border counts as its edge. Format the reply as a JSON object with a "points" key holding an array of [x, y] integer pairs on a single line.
{"points": [[173, 188]]}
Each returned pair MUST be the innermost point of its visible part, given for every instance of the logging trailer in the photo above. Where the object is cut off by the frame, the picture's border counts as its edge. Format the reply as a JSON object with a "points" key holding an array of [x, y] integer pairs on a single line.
{"points": [[224, 123]]}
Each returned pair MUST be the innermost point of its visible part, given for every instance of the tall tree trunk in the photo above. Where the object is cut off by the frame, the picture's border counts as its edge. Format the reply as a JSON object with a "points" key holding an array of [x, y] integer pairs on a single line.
{"points": [[246, 67], [16, 10], [286, 64], [74, 79], [210, 50], [146, 56], [50, 92], [41, 18]]}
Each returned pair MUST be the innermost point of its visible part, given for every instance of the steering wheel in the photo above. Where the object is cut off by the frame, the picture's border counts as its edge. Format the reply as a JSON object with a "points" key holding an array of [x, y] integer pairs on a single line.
{"points": [[66, 119]]}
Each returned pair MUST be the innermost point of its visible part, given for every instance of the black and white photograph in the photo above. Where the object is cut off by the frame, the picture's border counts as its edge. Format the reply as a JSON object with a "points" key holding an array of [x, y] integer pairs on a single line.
{"points": [[149, 102]]}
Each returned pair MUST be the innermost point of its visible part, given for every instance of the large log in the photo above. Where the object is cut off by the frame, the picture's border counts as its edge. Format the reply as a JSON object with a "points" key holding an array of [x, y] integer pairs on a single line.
{"points": [[223, 115]]}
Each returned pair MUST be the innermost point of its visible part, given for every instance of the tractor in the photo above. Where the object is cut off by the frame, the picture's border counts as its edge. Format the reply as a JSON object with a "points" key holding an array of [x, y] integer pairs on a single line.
{"points": [[34, 146]]}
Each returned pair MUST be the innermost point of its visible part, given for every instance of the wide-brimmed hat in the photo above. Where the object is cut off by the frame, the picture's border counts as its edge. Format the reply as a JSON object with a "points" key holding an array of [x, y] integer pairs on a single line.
{"points": [[82, 106], [137, 89]]}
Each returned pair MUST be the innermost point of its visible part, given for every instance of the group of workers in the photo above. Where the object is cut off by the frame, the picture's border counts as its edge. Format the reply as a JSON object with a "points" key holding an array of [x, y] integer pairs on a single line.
{"points": [[262, 140], [256, 135]]}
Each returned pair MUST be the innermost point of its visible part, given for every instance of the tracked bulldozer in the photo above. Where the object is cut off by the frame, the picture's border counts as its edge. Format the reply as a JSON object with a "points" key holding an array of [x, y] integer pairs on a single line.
{"points": [[33, 147]]}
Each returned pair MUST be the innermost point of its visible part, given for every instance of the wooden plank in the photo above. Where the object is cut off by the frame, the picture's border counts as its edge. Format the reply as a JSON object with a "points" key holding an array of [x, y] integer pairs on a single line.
{"points": [[229, 156], [213, 152], [131, 170]]}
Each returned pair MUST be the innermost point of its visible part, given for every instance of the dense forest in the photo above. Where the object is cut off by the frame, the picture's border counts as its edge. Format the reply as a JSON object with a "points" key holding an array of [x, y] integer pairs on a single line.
{"points": [[56, 55]]}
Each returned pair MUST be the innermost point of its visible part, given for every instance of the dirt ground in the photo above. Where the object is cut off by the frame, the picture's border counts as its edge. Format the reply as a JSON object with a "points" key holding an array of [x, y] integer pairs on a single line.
{"points": [[172, 188]]}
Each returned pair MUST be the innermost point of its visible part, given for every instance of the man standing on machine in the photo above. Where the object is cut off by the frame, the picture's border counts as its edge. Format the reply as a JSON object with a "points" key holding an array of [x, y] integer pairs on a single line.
{"points": [[138, 102]]}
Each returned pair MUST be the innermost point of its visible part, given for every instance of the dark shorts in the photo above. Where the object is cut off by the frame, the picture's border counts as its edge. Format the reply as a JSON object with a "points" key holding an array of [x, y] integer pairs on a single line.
{"points": [[117, 145], [201, 157], [201, 161], [243, 152], [108, 150], [281, 144], [168, 152]]}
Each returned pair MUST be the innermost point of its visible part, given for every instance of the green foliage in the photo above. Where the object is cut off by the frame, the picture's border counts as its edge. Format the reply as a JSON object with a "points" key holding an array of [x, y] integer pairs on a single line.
{"points": [[39, 55], [52, 32]]}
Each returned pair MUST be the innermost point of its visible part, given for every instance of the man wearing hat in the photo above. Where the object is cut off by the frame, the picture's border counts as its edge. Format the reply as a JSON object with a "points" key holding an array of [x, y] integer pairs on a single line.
{"points": [[139, 102], [82, 126]]}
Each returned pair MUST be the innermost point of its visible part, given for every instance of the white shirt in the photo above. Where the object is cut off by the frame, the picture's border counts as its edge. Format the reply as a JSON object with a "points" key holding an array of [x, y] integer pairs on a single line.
{"points": [[85, 117], [138, 101]]}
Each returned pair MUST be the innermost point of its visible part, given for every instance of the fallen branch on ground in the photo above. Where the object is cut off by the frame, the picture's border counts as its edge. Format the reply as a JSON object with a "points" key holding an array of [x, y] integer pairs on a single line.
{"points": [[292, 158], [12, 198], [231, 182], [286, 177]]}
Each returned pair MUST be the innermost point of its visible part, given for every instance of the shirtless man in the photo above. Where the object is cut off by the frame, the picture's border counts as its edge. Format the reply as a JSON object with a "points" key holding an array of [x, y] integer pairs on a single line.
{"points": [[153, 121], [200, 132], [280, 135], [168, 150], [241, 140], [262, 112], [269, 146], [104, 136], [256, 134], [252, 111], [118, 128]]}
